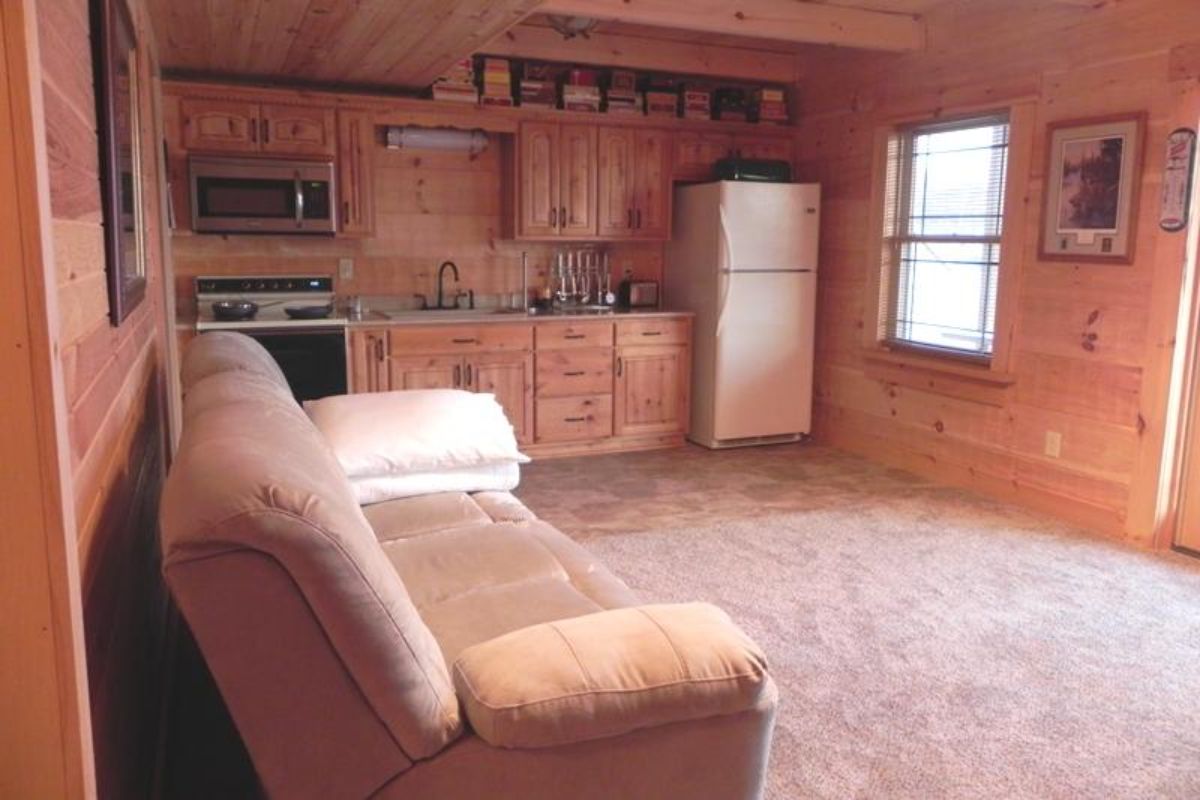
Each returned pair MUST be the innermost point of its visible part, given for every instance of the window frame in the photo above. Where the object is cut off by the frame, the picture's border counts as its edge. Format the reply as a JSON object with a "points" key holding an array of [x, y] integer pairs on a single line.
{"points": [[901, 235], [957, 373]]}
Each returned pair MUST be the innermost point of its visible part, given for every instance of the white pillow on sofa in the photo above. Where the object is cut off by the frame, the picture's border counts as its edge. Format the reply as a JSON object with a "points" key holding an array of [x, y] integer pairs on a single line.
{"points": [[488, 478], [415, 432]]}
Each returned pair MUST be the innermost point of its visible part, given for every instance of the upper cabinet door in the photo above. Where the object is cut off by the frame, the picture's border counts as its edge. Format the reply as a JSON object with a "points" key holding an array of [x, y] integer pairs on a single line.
{"points": [[297, 129], [652, 188], [577, 180], [616, 203], [537, 180], [355, 142], [226, 125]]}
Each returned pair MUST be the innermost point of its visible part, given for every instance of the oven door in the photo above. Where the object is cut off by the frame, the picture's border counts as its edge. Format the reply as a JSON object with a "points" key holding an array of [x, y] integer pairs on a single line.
{"points": [[260, 195], [312, 360]]}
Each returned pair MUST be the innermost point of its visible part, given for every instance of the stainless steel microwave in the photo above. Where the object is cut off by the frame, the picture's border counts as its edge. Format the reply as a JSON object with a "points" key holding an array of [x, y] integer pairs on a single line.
{"points": [[261, 195]]}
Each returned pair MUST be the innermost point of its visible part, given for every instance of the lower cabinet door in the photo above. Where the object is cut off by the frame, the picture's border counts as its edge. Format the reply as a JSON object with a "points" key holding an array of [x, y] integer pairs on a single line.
{"points": [[573, 419], [368, 361], [651, 390], [509, 376], [425, 372]]}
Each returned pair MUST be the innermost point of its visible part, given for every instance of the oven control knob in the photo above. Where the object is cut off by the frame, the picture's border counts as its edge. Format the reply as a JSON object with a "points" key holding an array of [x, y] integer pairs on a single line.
{"points": [[247, 284]]}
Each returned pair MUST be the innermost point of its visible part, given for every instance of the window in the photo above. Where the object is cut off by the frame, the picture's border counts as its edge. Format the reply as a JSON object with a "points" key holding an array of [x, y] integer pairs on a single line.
{"points": [[945, 196]]}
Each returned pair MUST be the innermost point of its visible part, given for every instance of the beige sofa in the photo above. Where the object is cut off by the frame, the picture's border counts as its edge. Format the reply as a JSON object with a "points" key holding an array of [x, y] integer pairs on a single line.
{"points": [[444, 646]]}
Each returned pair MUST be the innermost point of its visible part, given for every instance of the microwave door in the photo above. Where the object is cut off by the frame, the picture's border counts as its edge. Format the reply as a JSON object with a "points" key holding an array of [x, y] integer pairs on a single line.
{"points": [[244, 204]]}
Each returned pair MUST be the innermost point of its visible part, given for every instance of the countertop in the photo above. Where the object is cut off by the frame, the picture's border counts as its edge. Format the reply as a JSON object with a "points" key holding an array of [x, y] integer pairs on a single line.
{"points": [[374, 319]]}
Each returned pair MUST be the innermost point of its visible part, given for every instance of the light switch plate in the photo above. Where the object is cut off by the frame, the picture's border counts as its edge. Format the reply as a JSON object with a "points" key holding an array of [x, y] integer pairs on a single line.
{"points": [[346, 268], [1053, 444]]}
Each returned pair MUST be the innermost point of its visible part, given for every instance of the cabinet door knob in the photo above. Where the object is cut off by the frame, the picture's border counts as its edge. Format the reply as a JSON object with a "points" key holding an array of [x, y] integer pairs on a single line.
{"points": [[467, 372], [619, 366], [554, 218], [562, 216]]}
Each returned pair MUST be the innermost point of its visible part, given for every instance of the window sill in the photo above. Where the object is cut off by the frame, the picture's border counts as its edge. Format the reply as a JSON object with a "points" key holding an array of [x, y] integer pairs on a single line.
{"points": [[939, 375]]}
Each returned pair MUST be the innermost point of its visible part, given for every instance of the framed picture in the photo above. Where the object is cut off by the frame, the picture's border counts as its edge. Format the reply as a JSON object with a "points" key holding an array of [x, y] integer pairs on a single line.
{"points": [[1092, 172], [114, 52]]}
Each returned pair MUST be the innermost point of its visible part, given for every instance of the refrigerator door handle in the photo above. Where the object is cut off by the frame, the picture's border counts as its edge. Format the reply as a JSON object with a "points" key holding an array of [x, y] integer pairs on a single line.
{"points": [[726, 278]]}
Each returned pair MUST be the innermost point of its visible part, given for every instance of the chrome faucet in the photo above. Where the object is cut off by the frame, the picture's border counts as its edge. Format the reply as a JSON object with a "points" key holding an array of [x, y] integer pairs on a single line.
{"points": [[440, 278]]}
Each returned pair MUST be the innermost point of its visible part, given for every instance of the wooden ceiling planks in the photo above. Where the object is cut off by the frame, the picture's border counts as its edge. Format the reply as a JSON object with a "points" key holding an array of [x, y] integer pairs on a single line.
{"points": [[786, 20], [381, 43]]}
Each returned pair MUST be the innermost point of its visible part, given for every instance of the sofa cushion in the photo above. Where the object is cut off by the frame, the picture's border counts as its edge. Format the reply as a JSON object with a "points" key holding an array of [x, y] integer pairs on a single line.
{"points": [[439, 566], [254, 474], [414, 516], [609, 673]]}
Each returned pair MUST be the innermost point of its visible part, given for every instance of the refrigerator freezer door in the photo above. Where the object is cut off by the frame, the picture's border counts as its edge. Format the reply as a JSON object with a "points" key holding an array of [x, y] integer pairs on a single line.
{"points": [[769, 225], [764, 355]]}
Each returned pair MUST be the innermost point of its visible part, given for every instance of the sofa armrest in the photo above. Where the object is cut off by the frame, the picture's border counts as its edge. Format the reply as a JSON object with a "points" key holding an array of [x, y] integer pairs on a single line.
{"points": [[609, 673]]}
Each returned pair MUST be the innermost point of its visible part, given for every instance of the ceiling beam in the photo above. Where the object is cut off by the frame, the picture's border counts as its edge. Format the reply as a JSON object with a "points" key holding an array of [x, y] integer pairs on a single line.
{"points": [[538, 41], [786, 20]]}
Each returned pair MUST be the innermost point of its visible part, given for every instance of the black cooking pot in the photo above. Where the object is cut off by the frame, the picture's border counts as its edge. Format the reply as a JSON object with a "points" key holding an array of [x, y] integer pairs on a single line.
{"points": [[309, 312], [234, 310]]}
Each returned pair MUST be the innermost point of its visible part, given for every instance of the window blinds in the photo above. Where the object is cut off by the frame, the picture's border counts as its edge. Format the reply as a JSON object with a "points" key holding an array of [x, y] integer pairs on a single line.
{"points": [[943, 237]]}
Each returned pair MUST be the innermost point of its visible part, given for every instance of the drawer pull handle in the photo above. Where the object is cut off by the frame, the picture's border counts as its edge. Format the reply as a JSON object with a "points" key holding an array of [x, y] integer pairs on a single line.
{"points": [[575, 336], [652, 333], [463, 341], [574, 374], [457, 376], [575, 419], [619, 367]]}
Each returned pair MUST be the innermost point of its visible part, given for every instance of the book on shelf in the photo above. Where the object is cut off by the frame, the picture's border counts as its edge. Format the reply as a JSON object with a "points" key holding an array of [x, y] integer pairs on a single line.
{"points": [[662, 104]]}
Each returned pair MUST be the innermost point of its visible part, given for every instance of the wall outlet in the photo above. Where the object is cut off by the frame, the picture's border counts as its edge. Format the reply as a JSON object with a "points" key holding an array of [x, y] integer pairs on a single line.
{"points": [[1053, 444], [346, 268]]}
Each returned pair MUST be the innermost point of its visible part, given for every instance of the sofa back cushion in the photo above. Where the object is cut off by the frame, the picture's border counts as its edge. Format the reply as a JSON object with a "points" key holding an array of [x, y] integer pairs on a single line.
{"points": [[252, 473], [226, 351]]}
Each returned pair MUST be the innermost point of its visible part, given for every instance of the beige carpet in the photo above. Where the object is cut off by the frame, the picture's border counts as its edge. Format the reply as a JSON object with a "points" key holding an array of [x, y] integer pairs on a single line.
{"points": [[928, 643]]}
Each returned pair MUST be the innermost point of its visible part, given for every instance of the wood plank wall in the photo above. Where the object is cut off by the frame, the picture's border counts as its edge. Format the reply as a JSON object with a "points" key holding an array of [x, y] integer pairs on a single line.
{"points": [[114, 380], [1108, 399], [430, 206]]}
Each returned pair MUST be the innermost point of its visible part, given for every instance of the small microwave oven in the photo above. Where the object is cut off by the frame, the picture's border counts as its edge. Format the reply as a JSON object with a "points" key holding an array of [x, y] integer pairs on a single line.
{"points": [[261, 195]]}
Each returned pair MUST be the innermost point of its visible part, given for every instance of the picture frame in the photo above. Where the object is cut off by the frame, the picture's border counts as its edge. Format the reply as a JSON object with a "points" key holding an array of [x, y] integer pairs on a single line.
{"points": [[1090, 202], [115, 54]]}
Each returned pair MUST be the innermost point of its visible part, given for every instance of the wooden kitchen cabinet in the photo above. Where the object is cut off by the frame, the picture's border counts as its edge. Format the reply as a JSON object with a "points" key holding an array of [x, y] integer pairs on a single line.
{"points": [[652, 184], [509, 376], [225, 125], [355, 143], [304, 130], [634, 183], [368, 360], [567, 386], [425, 372], [616, 182], [650, 394], [238, 126], [577, 180], [556, 180]]}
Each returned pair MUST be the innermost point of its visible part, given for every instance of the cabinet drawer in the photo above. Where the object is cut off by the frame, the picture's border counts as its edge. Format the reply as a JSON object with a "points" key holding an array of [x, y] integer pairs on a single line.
{"points": [[555, 335], [568, 419], [460, 338], [652, 331], [564, 373]]}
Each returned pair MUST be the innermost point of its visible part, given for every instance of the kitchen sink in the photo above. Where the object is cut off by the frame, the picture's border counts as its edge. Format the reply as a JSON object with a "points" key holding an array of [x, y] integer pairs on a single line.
{"points": [[450, 314]]}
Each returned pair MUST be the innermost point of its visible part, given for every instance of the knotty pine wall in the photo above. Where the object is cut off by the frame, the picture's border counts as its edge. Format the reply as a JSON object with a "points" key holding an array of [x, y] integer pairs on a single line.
{"points": [[1108, 400], [430, 206], [114, 387]]}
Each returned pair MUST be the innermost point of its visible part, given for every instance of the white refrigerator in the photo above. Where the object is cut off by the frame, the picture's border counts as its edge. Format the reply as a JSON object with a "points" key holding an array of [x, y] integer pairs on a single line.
{"points": [[743, 257]]}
